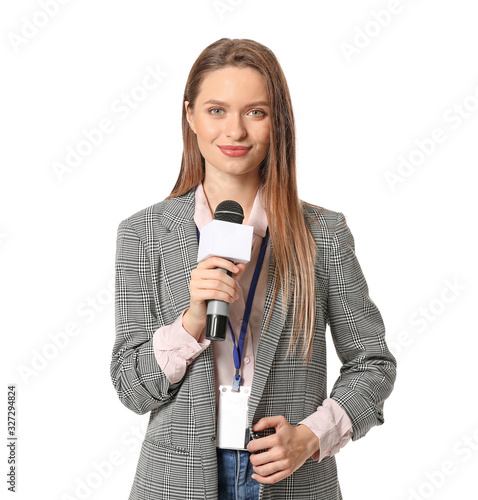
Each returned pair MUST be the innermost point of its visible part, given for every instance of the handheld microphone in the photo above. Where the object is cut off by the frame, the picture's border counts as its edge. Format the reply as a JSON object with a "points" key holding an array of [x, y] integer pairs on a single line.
{"points": [[218, 310]]}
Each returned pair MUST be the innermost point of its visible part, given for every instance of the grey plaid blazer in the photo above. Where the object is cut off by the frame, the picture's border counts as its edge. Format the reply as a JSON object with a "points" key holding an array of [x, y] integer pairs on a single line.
{"points": [[156, 252]]}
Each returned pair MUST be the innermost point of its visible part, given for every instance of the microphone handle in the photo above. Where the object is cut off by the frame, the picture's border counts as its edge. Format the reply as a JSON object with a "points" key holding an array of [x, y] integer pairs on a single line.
{"points": [[217, 316]]}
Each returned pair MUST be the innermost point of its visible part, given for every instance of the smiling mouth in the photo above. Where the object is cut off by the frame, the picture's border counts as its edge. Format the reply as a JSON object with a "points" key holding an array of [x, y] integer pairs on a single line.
{"points": [[235, 151], [236, 148]]}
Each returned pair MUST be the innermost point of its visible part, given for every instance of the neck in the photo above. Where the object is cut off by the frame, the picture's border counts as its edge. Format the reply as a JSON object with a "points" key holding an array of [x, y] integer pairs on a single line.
{"points": [[241, 190]]}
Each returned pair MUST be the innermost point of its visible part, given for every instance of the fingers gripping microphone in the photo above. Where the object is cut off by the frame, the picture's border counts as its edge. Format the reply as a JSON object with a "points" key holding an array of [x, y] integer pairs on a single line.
{"points": [[218, 310]]}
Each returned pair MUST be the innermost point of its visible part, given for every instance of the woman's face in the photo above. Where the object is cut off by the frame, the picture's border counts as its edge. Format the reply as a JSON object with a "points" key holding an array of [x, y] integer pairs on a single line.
{"points": [[238, 116]]}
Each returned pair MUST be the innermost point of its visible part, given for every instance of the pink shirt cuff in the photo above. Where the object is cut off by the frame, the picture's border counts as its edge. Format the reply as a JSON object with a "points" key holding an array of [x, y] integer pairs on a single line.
{"points": [[331, 424], [175, 349]]}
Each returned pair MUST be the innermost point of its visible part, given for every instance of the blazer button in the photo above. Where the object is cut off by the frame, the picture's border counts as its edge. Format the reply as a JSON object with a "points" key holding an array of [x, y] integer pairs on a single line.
{"points": [[213, 438]]}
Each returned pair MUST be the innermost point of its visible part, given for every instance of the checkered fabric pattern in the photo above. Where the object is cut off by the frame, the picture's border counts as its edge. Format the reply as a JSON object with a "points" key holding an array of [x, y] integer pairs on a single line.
{"points": [[156, 252]]}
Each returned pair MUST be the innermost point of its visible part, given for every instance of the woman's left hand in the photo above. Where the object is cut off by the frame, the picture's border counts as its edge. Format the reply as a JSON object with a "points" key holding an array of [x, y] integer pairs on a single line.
{"points": [[287, 449]]}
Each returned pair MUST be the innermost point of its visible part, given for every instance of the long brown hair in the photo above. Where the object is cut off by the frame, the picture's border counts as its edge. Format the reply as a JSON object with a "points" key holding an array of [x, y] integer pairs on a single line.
{"points": [[292, 242]]}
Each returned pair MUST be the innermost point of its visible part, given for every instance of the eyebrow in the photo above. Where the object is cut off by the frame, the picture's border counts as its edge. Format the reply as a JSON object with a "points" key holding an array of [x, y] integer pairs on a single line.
{"points": [[222, 103]]}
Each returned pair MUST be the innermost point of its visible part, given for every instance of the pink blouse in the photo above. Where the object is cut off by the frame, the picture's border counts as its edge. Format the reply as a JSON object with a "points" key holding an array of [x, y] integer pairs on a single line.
{"points": [[175, 349]]}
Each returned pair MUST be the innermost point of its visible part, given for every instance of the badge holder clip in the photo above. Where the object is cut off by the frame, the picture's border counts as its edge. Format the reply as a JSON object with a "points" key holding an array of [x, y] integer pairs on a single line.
{"points": [[236, 381]]}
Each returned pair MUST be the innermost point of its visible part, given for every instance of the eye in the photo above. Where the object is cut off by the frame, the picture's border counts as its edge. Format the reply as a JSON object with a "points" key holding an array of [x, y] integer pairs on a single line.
{"points": [[259, 111], [215, 109]]}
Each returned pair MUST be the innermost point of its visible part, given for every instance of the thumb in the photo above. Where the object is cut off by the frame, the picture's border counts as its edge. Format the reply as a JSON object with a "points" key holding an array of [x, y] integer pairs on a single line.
{"points": [[242, 268], [267, 422]]}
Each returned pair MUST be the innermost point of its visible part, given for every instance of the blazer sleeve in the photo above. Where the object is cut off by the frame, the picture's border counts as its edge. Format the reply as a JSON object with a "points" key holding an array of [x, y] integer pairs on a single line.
{"points": [[368, 371], [136, 375]]}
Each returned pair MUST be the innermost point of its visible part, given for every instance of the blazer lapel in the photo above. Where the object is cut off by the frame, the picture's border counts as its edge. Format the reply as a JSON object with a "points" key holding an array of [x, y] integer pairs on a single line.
{"points": [[269, 340], [177, 248]]}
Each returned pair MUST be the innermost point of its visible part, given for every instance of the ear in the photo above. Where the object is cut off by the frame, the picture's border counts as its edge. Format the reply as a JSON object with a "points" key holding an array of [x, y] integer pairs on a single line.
{"points": [[190, 116]]}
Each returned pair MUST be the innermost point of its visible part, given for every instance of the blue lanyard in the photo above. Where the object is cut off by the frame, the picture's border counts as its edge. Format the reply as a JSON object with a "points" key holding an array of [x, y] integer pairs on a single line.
{"points": [[238, 348]]}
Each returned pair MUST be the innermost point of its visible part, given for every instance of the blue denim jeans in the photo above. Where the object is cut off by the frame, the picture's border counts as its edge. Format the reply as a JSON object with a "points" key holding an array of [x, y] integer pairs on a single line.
{"points": [[234, 471]]}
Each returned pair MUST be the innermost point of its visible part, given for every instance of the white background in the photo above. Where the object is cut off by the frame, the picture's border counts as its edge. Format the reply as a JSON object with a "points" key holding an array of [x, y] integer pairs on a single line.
{"points": [[356, 115]]}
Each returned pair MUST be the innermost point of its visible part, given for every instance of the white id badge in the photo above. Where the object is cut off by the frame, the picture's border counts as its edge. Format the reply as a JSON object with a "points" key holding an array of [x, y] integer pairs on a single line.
{"points": [[232, 417]]}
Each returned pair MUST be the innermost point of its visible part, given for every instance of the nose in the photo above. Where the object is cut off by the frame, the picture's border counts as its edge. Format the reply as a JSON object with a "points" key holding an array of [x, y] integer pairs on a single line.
{"points": [[234, 126]]}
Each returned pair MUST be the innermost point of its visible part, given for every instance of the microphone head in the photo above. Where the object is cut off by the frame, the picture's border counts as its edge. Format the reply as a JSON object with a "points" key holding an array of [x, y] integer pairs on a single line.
{"points": [[229, 211]]}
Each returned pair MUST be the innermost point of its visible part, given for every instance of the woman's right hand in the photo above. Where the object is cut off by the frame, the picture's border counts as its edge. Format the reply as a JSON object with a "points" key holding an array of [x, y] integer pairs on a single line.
{"points": [[209, 283]]}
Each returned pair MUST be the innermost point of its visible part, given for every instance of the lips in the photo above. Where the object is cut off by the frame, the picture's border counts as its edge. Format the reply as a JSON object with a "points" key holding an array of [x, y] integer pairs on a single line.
{"points": [[236, 148], [234, 151]]}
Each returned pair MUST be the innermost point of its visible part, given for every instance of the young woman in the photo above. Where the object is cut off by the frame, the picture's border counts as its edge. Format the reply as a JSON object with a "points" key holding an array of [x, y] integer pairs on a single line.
{"points": [[239, 144]]}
